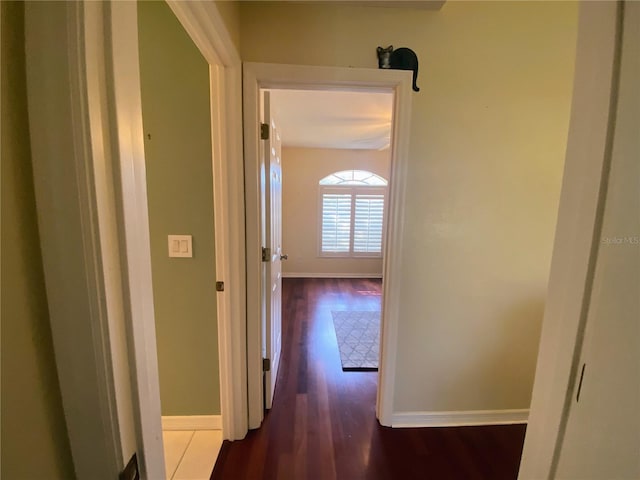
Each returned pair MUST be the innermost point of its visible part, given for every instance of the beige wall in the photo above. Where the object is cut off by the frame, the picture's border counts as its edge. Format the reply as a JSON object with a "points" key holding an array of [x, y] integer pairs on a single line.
{"points": [[34, 435], [302, 169], [488, 138], [177, 129]]}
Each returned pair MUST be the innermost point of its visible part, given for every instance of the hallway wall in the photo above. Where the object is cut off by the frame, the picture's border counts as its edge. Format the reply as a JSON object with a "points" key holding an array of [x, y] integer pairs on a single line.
{"points": [[487, 144]]}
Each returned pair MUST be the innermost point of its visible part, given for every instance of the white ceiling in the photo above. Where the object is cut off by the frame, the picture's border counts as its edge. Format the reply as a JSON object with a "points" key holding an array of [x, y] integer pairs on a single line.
{"points": [[332, 119]]}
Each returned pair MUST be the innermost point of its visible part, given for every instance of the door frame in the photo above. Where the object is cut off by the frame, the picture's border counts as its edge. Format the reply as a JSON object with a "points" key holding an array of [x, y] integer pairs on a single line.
{"points": [[203, 23], [90, 183], [577, 234], [257, 76]]}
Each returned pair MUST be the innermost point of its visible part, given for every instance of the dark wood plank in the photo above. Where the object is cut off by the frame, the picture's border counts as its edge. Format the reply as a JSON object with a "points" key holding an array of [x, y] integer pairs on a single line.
{"points": [[323, 426]]}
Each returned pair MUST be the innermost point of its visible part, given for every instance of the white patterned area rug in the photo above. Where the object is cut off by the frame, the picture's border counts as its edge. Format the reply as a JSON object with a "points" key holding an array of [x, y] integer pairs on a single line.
{"points": [[358, 334]]}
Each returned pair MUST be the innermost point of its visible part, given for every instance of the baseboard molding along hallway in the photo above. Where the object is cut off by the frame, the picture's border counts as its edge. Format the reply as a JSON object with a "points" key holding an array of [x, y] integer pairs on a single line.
{"points": [[459, 418]]}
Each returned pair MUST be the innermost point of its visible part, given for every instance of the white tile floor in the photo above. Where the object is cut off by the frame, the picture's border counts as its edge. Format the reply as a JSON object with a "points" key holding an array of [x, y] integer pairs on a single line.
{"points": [[190, 455]]}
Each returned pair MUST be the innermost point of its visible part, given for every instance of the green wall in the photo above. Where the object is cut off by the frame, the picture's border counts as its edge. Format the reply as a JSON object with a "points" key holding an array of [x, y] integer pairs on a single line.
{"points": [[177, 129], [35, 444]]}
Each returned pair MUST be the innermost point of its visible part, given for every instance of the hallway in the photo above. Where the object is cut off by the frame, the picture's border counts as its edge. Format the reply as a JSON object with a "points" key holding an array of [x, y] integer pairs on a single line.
{"points": [[323, 424]]}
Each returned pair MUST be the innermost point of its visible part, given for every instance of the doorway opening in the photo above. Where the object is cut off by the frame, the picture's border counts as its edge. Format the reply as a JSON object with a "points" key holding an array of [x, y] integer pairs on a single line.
{"points": [[325, 160], [336, 161], [337, 146], [175, 85]]}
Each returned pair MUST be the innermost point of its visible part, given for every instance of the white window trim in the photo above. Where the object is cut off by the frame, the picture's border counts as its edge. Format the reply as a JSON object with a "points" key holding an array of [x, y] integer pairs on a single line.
{"points": [[353, 190], [345, 182]]}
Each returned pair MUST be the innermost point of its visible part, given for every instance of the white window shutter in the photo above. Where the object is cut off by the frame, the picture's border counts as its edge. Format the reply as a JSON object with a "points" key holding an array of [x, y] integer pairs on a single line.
{"points": [[367, 230], [336, 223]]}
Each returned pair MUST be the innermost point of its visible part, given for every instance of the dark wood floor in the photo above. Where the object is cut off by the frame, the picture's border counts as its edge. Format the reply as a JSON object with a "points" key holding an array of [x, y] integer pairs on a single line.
{"points": [[323, 424]]}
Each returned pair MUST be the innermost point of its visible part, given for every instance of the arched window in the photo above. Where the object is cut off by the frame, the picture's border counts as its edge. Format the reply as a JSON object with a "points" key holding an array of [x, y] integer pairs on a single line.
{"points": [[352, 214], [354, 177]]}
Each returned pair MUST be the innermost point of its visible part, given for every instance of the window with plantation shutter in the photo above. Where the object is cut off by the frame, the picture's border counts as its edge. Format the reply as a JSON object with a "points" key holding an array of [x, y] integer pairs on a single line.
{"points": [[352, 214], [367, 225], [336, 222]]}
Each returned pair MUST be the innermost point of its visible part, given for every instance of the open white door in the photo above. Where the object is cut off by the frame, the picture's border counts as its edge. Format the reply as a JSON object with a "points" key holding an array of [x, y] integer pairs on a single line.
{"points": [[584, 421], [602, 434], [272, 250]]}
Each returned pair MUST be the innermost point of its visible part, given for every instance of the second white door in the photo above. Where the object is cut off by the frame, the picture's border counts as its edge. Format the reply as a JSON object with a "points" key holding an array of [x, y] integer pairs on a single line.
{"points": [[272, 254]]}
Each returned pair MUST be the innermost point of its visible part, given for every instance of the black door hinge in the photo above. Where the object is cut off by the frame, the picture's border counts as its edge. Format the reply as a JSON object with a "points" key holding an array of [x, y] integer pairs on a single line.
{"points": [[266, 365], [131, 471], [264, 131]]}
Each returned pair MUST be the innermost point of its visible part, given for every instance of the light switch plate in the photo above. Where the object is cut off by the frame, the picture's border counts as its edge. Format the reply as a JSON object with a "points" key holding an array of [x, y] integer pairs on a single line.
{"points": [[180, 246]]}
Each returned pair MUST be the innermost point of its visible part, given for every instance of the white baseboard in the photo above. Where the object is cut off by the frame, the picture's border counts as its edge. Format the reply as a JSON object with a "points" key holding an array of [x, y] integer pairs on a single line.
{"points": [[461, 418], [192, 422], [330, 275]]}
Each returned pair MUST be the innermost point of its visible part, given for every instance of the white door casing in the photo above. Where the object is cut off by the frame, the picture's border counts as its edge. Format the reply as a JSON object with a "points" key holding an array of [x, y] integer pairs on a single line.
{"points": [[91, 203], [258, 76], [271, 198]]}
